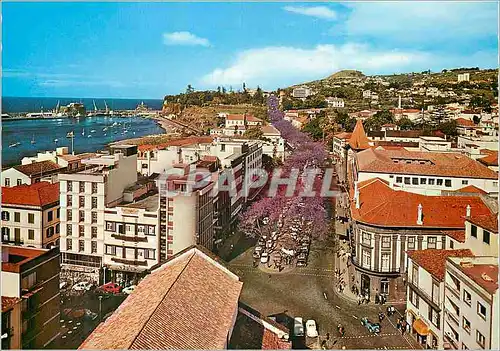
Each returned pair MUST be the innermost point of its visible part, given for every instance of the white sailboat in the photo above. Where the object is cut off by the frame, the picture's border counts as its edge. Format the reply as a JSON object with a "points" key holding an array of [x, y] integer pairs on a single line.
{"points": [[33, 139], [83, 132]]}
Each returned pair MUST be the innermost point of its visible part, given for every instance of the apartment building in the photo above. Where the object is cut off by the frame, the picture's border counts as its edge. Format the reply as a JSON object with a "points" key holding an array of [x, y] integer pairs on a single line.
{"points": [[31, 173], [31, 215], [335, 102], [84, 198], [31, 275], [301, 92], [471, 304], [339, 143], [387, 222], [11, 323], [433, 144], [426, 293], [61, 156], [480, 234], [427, 173]]}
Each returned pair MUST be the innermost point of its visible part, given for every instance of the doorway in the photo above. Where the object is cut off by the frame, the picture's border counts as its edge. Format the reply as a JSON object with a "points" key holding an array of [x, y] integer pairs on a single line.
{"points": [[365, 284], [384, 287]]}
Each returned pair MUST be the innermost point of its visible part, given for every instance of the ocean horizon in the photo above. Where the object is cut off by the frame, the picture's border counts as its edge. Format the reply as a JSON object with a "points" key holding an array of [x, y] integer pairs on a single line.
{"points": [[19, 104]]}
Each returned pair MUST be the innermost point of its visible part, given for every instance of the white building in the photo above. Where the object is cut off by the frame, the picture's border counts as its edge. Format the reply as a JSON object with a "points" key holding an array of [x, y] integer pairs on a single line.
{"points": [[479, 142], [335, 102], [84, 198], [340, 141], [463, 77], [427, 173], [433, 144], [471, 304], [30, 215], [426, 294], [301, 92], [367, 94], [31, 173]]}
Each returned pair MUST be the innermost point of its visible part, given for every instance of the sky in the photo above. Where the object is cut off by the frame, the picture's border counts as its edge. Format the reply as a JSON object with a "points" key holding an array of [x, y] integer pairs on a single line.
{"points": [[148, 50]]}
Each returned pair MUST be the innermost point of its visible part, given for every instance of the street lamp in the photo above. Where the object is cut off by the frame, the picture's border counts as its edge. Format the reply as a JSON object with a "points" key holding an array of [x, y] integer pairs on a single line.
{"points": [[100, 307]]}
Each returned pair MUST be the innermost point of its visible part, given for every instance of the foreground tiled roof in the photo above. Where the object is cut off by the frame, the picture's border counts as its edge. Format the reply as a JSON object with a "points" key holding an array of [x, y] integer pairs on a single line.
{"points": [[37, 194], [9, 302], [434, 260], [37, 168], [462, 122], [177, 142], [358, 139], [187, 303], [490, 160], [486, 221], [471, 189], [379, 160], [381, 205]]}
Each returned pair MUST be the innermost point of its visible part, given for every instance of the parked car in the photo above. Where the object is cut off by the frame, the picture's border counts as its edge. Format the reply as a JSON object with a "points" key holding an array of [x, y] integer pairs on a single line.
{"points": [[111, 288], [372, 327], [311, 329], [62, 285], [256, 254], [269, 244], [264, 258], [129, 289], [82, 286], [298, 326], [91, 315], [301, 263]]}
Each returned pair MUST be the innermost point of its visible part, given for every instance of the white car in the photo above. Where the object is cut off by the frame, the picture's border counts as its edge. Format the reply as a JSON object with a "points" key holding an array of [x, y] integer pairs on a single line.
{"points": [[264, 258], [298, 326], [311, 330], [82, 286], [128, 290]]}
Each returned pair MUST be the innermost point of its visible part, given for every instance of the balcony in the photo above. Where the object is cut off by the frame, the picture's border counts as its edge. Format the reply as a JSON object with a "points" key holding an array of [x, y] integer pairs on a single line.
{"points": [[129, 238], [449, 343], [453, 290], [452, 318], [129, 261]]}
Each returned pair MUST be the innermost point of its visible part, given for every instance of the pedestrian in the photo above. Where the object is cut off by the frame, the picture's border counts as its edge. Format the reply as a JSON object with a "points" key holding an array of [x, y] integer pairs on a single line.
{"points": [[403, 327], [398, 324], [381, 317], [327, 336], [377, 300]]}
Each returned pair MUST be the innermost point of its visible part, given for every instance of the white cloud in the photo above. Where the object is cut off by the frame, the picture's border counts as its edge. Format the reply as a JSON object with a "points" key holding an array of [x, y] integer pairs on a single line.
{"points": [[322, 12], [184, 38], [267, 66]]}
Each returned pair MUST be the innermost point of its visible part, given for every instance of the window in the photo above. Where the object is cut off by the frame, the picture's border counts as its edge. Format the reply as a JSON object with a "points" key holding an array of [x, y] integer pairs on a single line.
{"points": [[94, 202], [414, 275], [5, 216], [423, 180], [49, 232], [69, 244], [486, 237], [17, 234], [94, 188], [82, 187], [31, 234], [495, 184], [467, 297], [447, 183], [414, 181], [386, 241], [466, 325], [94, 217], [140, 229], [414, 298], [439, 182], [386, 259], [465, 182], [82, 201], [435, 292], [81, 230], [58, 213], [69, 229], [31, 218], [93, 247], [452, 244], [121, 229], [94, 232], [19, 182], [69, 200], [366, 259], [411, 243], [480, 339], [110, 250], [50, 216], [399, 179], [17, 217], [149, 254], [81, 216], [367, 238], [7, 182], [434, 317], [431, 181], [151, 230], [69, 215], [81, 246], [5, 234], [473, 231], [58, 228], [481, 310], [110, 226], [129, 228], [407, 180], [69, 186], [431, 242]]}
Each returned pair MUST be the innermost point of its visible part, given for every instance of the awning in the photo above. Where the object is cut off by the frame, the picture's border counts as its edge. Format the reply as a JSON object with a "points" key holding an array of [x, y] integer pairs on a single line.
{"points": [[420, 327]]}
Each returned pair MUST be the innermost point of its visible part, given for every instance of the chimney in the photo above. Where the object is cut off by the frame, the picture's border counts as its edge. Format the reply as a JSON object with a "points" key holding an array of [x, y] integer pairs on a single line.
{"points": [[420, 215], [467, 211]]}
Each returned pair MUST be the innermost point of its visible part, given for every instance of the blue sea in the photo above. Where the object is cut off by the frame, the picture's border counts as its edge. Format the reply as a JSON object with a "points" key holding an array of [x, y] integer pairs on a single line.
{"points": [[34, 104], [45, 132]]}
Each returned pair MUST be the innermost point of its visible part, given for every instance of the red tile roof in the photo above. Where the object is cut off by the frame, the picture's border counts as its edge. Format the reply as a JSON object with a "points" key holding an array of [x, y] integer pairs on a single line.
{"points": [[382, 206], [471, 189], [241, 117], [18, 255], [270, 129], [490, 160], [37, 194], [9, 302], [376, 160], [465, 122], [358, 139], [37, 168], [434, 260], [343, 135], [486, 221], [485, 275], [187, 303], [458, 235], [177, 142]]}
